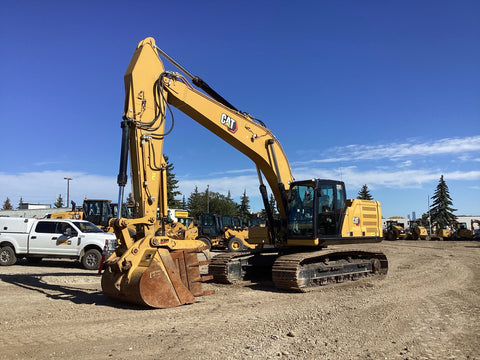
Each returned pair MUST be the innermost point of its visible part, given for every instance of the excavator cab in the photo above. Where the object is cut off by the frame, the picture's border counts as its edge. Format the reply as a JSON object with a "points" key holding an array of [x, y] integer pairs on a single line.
{"points": [[315, 208]]}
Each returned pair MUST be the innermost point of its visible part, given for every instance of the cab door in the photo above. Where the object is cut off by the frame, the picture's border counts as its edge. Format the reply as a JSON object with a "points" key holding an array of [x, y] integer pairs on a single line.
{"points": [[47, 238], [330, 206], [67, 241]]}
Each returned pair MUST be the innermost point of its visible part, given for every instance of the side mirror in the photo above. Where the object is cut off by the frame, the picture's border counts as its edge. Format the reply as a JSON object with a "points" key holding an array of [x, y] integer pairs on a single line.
{"points": [[69, 233]]}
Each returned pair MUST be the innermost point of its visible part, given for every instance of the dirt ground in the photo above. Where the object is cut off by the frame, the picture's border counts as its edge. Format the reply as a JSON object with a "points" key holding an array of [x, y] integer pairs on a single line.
{"points": [[428, 307]]}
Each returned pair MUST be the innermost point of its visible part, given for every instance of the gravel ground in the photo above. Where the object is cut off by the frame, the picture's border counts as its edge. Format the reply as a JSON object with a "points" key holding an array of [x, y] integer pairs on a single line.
{"points": [[428, 307]]}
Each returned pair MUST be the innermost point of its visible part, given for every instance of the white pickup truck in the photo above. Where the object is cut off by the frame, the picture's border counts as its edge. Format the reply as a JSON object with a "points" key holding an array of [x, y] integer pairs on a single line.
{"points": [[58, 238]]}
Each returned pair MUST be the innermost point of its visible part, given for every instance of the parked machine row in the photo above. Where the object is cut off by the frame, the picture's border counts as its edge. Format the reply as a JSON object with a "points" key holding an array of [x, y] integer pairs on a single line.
{"points": [[394, 230]]}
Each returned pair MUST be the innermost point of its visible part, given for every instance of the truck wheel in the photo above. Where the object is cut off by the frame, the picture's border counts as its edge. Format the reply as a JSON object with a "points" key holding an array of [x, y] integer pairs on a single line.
{"points": [[207, 242], [235, 244], [91, 259], [7, 256]]}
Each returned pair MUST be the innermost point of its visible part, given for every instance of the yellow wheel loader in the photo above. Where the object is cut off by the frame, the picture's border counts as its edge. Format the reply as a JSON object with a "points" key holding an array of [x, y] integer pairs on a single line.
{"points": [[224, 232], [158, 271], [462, 232], [417, 231], [440, 232], [97, 211], [394, 231]]}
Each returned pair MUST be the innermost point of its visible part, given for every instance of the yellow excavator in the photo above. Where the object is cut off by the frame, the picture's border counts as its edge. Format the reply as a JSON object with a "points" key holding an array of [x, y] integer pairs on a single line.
{"points": [[158, 271]]}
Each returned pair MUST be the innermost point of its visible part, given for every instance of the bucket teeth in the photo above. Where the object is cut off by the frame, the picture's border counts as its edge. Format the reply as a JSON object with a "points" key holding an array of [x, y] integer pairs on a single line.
{"points": [[200, 263], [196, 250]]}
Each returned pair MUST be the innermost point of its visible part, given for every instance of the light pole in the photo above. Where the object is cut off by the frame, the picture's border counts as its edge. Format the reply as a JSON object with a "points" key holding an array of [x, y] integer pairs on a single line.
{"points": [[208, 200], [429, 217], [68, 190]]}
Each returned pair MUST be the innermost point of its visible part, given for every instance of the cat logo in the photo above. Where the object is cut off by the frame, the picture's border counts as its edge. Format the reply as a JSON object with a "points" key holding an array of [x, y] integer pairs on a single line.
{"points": [[229, 123]]}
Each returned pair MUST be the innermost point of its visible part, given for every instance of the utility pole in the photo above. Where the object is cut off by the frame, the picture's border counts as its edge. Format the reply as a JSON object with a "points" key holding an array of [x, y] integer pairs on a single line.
{"points": [[68, 190], [429, 218], [208, 200]]}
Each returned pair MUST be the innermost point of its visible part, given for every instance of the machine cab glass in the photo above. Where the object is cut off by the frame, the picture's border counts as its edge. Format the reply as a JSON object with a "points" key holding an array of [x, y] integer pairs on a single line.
{"points": [[314, 208], [97, 212]]}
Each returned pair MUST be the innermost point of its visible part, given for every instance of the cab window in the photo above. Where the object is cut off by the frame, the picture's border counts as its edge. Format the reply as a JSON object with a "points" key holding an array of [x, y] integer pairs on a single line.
{"points": [[46, 227], [62, 226], [300, 210]]}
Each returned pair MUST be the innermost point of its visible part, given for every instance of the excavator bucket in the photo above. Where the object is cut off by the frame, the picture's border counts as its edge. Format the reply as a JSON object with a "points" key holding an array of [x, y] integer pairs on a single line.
{"points": [[162, 279]]}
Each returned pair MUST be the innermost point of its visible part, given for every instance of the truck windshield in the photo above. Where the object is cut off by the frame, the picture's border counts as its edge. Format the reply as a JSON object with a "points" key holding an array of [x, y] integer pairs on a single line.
{"points": [[87, 227], [300, 210]]}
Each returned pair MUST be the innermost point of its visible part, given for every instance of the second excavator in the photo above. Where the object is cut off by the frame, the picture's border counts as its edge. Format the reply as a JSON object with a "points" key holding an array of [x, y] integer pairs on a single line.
{"points": [[314, 213]]}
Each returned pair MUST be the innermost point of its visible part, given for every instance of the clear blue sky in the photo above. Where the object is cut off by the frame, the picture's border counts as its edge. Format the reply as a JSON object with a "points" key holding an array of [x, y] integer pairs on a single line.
{"points": [[383, 93]]}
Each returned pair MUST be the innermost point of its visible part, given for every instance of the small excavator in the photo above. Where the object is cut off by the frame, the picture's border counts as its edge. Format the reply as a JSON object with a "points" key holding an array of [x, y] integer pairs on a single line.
{"points": [[154, 270]]}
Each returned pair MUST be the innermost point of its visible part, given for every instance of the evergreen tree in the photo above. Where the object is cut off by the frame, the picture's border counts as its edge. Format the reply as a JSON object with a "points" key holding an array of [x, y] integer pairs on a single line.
{"points": [[273, 208], [441, 210], [195, 203], [364, 193], [217, 203], [425, 220], [172, 186], [59, 202], [244, 207], [20, 203], [7, 205], [222, 205]]}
